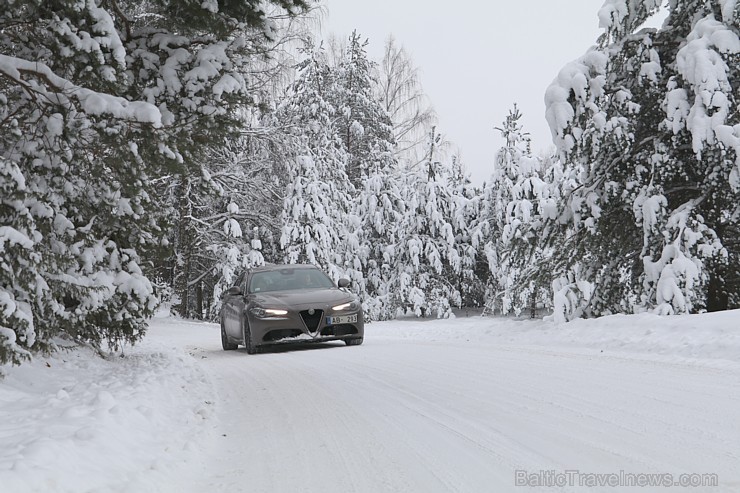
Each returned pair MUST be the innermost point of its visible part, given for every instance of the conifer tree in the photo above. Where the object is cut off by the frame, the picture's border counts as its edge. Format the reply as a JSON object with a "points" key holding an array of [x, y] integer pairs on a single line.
{"points": [[648, 122], [427, 262], [513, 159], [318, 226], [379, 208], [363, 124], [97, 103], [468, 277]]}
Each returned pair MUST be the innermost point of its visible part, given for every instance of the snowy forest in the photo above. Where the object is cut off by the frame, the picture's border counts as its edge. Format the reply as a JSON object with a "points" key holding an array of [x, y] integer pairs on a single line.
{"points": [[151, 150]]}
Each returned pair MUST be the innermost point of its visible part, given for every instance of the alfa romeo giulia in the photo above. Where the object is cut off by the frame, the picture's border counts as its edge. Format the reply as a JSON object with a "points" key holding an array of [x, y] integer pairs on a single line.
{"points": [[278, 304]]}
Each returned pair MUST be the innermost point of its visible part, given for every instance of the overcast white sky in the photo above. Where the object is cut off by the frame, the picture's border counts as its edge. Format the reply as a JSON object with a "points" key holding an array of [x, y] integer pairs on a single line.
{"points": [[477, 58]]}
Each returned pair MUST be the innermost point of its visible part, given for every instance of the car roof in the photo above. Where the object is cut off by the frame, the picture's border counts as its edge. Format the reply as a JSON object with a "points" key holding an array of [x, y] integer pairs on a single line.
{"points": [[273, 267]]}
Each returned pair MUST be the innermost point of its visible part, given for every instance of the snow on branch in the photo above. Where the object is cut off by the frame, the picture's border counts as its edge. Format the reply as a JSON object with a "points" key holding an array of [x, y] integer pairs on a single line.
{"points": [[92, 102], [581, 83], [701, 62], [624, 16]]}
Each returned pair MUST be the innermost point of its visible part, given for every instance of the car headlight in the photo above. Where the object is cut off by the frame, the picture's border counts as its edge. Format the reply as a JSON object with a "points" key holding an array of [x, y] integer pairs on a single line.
{"points": [[260, 312], [272, 311], [352, 305]]}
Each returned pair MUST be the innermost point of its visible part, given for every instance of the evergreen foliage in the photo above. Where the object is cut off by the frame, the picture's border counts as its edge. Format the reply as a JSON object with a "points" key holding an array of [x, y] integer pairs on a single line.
{"points": [[648, 123], [318, 226], [363, 124], [428, 261], [97, 103]]}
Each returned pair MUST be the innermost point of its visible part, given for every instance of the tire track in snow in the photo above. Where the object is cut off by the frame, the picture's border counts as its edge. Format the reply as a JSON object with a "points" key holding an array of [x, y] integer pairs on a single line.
{"points": [[440, 416]]}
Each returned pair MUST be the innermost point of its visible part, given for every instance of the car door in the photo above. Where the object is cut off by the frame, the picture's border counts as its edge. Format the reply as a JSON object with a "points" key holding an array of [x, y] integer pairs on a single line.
{"points": [[230, 314], [238, 303]]}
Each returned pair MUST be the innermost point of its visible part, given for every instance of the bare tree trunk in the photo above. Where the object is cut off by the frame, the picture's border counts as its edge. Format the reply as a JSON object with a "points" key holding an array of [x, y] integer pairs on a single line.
{"points": [[199, 301], [533, 304], [183, 289], [183, 251]]}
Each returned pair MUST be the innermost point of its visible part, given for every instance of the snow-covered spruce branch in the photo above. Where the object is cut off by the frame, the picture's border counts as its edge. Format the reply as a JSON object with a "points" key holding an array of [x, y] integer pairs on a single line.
{"points": [[92, 102]]}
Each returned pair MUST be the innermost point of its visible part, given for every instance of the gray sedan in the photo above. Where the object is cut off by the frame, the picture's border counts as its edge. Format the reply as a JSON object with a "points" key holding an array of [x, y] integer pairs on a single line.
{"points": [[280, 304]]}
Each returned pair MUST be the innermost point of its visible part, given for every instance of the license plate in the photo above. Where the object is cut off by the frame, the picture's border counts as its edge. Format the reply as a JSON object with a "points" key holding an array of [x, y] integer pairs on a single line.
{"points": [[342, 319]]}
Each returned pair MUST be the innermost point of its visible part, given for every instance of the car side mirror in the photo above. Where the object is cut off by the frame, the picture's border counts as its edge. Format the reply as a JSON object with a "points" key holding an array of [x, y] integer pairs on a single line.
{"points": [[343, 283], [234, 291]]}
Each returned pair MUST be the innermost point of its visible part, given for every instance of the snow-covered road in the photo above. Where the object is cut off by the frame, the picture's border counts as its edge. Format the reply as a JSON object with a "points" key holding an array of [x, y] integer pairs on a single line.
{"points": [[443, 415], [451, 405]]}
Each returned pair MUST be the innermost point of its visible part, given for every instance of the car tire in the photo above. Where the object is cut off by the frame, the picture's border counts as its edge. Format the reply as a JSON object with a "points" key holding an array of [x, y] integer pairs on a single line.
{"points": [[353, 342], [248, 343], [225, 343]]}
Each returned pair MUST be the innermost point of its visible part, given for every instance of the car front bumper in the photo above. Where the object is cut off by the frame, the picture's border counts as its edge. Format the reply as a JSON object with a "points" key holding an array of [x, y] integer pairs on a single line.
{"points": [[292, 328]]}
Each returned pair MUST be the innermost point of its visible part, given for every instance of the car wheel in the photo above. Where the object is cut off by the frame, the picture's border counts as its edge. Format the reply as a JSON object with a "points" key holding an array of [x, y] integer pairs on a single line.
{"points": [[353, 342], [225, 343], [248, 343]]}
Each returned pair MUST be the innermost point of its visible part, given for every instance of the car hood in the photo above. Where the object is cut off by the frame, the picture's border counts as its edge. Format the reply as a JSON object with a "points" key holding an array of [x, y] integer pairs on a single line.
{"points": [[302, 297]]}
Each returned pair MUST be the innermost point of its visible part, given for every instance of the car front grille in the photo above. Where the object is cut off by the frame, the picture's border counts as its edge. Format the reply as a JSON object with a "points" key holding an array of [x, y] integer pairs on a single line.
{"points": [[312, 321]]}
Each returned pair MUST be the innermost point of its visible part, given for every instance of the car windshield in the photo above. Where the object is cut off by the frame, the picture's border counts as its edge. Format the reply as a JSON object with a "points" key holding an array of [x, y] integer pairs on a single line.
{"points": [[288, 279]]}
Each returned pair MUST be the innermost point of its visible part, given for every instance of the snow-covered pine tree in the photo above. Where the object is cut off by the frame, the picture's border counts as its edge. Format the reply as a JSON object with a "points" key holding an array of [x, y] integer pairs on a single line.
{"points": [[648, 121], [363, 124], [96, 103], [378, 207], [470, 277], [318, 226], [230, 256], [73, 203], [427, 263], [512, 161], [551, 268], [532, 209], [246, 165], [525, 197]]}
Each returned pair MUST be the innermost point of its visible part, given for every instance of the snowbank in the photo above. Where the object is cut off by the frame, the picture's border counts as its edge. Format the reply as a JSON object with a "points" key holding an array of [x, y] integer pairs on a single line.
{"points": [[709, 336], [75, 422]]}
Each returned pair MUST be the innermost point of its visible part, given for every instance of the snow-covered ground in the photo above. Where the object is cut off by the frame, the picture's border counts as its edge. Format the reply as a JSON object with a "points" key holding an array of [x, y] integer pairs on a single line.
{"points": [[448, 405], [77, 423]]}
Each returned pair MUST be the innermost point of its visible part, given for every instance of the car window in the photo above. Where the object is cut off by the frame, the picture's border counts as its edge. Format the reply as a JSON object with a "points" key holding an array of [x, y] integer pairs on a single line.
{"points": [[259, 283], [240, 279], [288, 279]]}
